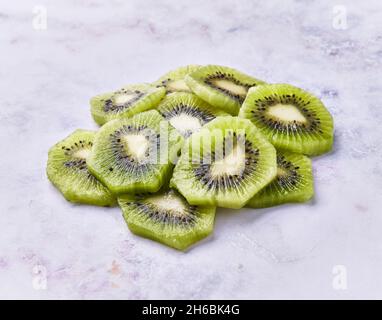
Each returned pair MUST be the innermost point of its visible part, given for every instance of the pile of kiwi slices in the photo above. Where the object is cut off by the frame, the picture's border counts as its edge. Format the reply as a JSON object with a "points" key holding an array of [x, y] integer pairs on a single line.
{"points": [[200, 137]]}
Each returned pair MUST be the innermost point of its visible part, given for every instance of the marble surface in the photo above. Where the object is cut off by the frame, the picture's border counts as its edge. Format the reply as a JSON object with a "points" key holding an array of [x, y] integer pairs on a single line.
{"points": [[50, 248]]}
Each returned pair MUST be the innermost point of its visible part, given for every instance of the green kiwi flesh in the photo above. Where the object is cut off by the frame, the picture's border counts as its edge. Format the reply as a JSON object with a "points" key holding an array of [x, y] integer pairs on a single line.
{"points": [[67, 170], [293, 183], [173, 81], [125, 102], [224, 164], [222, 87], [186, 112], [135, 154], [166, 217], [291, 118]]}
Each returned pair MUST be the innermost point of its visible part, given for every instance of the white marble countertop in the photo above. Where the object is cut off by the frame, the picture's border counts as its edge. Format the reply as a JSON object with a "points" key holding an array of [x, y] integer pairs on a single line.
{"points": [[330, 248]]}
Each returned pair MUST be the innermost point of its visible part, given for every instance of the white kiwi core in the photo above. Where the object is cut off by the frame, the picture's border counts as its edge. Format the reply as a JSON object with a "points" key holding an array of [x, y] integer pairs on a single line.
{"points": [[286, 113], [281, 172], [82, 153], [230, 86], [168, 202], [178, 85], [232, 164], [121, 99], [136, 145], [184, 123]]}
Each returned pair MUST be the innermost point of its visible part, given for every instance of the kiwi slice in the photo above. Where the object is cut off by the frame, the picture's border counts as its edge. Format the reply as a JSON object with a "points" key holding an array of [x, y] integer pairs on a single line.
{"points": [[186, 112], [166, 217], [222, 87], [291, 118], [224, 164], [293, 183], [135, 154], [173, 81], [125, 102], [67, 170]]}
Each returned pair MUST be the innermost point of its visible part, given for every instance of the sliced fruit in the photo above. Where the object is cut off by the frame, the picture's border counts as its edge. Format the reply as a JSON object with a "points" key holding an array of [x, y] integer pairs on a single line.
{"points": [[166, 217], [222, 87], [224, 164], [173, 81], [293, 183], [135, 154], [67, 170], [291, 118], [125, 102], [186, 112]]}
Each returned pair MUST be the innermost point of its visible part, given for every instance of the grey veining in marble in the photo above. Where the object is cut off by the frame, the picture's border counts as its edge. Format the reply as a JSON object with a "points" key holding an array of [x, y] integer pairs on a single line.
{"points": [[50, 248]]}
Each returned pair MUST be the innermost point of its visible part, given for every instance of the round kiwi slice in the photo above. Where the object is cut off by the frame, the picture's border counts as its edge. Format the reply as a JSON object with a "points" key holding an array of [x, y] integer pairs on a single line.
{"points": [[166, 217], [224, 164], [68, 171], [186, 112], [173, 81], [291, 118], [135, 154], [293, 183], [125, 102], [222, 87]]}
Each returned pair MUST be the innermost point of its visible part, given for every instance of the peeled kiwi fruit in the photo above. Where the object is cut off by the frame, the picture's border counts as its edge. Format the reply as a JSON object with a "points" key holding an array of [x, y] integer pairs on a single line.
{"points": [[125, 102], [224, 164], [291, 118], [68, 171], [293, 183], [173, 81], [135, 154], [166, 217], [186, 112], [198, 138], [222, 87]]}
